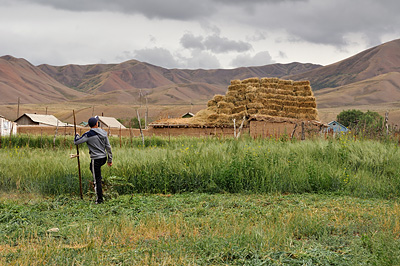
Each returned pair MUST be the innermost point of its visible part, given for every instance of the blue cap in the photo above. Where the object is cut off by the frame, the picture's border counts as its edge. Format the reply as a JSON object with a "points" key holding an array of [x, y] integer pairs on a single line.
{"points": [[93, 121]]}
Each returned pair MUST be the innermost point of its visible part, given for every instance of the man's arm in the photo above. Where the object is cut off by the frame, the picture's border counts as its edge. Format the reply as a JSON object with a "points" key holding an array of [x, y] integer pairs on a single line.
{"points": [[109, 152], [79, 140]]}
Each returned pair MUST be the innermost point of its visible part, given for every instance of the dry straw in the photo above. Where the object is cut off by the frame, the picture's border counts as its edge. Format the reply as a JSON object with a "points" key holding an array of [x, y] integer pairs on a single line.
{"points": [[235, 82], [270, 97], [238, 109], [224, 105], [251, 80], [218, 98]]}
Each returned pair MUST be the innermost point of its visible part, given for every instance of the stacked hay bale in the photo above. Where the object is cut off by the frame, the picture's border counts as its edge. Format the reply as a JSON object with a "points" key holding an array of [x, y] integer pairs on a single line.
{"points": [[265, 96]]}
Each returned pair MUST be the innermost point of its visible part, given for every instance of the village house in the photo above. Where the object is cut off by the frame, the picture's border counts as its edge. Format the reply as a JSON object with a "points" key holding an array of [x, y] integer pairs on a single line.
{"points": [[7, 127], [39, 120], [109, 122]]}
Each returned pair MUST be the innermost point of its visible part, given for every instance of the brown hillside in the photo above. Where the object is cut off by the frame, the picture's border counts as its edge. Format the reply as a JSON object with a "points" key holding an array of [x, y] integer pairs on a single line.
{"points": [[375, 91], [370, 63], [196, 93], [19, 78], [133, 74]]}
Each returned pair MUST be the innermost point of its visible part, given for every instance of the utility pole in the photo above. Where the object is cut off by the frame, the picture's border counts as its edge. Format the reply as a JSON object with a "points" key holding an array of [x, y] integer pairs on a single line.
{"points": [[18, 108], [147, 114]]}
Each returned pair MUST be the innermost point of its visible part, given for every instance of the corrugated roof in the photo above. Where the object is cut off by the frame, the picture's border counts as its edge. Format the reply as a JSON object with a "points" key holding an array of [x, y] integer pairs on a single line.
{"points": [[110, 122], [49, 120]]}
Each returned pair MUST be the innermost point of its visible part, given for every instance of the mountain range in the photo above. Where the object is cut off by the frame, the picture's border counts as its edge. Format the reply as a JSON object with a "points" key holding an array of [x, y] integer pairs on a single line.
{"points": [[369, 77]]}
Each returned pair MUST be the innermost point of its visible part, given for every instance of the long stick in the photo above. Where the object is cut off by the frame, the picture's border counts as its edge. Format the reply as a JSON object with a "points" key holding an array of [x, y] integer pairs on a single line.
{"points": [[77, 157], [140, 126]]}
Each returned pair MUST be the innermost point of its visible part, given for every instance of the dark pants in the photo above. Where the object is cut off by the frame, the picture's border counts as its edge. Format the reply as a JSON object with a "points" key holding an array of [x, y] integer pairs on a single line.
{"points": [[95, 168]]}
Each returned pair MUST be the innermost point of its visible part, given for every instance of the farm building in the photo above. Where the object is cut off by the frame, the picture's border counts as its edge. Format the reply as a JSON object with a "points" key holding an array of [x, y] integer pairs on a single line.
{"points": [[335, 127], [110, 122], [271, 105], [39, 120], [7, 126]]}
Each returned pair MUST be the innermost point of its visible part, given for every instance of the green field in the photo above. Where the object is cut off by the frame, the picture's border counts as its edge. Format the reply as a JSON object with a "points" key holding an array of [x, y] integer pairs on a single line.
{"points": [[185, 201]]}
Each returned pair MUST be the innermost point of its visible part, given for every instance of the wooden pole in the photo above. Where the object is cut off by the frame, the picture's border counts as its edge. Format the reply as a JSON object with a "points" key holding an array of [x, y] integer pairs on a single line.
{"points": [[55, 136], [303, 136], [12, 128], [140, 126], [294, 130], [77, 157], [130, 131], [146, 114], [241, 127], [18, 108], [120, 136], [1, 129], [386, 122], [234, 128]]}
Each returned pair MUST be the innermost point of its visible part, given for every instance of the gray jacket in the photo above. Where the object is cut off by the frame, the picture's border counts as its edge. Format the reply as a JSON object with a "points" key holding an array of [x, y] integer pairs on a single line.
{"points": [[98, 143]]}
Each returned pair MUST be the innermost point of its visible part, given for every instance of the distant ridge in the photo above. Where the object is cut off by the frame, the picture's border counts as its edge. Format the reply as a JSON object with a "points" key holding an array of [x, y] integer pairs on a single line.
{"points": [[139, 75], [382, 59], [369, 77], [19, 78]]}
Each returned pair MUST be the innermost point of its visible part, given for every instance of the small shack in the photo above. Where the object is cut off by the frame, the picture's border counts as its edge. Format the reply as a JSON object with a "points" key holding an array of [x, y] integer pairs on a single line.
{"points": [[7, 127], [110, 122], [336, 127], [188, 115], [39, 120]]}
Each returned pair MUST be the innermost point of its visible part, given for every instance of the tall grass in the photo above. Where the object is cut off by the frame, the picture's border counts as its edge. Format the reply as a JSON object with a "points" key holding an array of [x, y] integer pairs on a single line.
{"points": [[342, 165]]}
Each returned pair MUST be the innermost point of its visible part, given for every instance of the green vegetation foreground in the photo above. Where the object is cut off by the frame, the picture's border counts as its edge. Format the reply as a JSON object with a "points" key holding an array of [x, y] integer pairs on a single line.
{"points": [[204, 202], [362, 168], [200, 229]]}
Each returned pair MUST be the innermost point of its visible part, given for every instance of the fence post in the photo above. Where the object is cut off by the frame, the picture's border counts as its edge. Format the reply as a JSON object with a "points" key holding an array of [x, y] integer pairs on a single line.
{"points": [[294, 130], [234, 128], [303, 136], [12, 127]]}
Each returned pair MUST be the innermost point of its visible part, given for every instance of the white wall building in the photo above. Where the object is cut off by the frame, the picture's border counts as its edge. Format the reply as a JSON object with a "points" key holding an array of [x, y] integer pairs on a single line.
{"points": [[6, 126]]}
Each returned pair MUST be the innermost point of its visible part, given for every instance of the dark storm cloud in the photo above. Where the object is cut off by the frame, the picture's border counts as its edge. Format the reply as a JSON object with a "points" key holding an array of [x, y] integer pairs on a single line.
{"points": [[331, 22], [171, 9], [316, 21]]}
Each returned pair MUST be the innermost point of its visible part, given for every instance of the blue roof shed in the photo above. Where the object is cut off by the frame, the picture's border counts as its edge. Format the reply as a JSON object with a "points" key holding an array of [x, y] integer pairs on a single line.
{"points": [[336, 127]]}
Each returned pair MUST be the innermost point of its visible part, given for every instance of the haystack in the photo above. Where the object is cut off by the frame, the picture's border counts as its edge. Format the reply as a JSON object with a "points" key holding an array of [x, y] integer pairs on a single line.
{"points": [[265, 96], [271, 97]]}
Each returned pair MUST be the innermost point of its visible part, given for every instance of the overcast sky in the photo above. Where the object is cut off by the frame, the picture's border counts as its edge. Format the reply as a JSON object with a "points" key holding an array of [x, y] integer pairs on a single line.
{"points": [[194, 33]]}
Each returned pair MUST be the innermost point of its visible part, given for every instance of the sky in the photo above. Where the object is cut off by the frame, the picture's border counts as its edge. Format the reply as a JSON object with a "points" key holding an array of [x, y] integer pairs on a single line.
{"points": [[194, 34]]}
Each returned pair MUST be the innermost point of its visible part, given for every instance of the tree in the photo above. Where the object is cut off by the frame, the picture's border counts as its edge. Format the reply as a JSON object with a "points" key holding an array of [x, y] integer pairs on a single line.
{"points": [[133, 122], [356, 118], [349, 118]]}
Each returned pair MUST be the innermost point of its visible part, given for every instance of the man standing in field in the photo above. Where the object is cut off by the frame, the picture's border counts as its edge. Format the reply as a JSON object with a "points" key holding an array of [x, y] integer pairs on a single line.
{"points": [[99, 150]]}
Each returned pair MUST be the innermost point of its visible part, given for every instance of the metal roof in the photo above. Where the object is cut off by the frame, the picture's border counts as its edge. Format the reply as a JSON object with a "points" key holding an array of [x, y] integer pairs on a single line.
{"points": [[110, 122], [49, 120], [335, 126]]}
